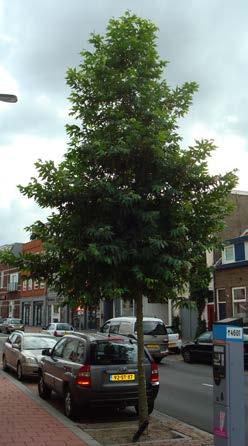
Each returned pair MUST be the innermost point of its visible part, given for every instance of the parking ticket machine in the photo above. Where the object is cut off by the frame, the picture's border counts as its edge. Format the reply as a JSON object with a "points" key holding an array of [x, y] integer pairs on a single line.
{"points": [[228, 386]]}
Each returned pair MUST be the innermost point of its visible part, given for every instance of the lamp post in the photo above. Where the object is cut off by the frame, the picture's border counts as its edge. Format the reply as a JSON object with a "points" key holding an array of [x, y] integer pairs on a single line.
{"points": [[8, 98]]}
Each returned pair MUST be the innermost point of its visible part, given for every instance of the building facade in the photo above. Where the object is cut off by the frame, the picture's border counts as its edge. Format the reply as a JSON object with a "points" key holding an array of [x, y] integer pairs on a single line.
{"points": [[231, 279], [10, 285]]}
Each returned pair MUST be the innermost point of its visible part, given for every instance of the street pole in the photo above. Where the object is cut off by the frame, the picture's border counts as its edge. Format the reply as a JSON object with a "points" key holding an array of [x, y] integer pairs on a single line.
{"points": [[8, 98]]}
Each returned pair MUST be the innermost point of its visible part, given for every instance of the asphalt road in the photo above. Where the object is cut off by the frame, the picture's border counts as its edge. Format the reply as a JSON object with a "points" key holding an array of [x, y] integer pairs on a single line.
{"points": [[186, 392]]}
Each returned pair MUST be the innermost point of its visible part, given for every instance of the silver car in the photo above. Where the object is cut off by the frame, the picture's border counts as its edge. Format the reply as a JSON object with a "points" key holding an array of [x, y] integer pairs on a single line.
{"points": [[22, 351], [154, 329]]}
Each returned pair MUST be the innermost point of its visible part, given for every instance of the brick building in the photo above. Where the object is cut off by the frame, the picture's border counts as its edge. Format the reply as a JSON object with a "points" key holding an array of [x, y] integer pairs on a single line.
{"points": [[39, 304], [231, 279], [10, 285]]}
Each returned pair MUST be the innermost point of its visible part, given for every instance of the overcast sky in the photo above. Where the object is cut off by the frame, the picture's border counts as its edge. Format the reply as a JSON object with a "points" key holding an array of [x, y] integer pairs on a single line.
{"points": [[204, 40]]}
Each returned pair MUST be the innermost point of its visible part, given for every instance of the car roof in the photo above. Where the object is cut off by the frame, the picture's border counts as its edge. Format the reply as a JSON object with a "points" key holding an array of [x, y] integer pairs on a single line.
{"points": [[96, 336], [36, 335], [133, 318]]}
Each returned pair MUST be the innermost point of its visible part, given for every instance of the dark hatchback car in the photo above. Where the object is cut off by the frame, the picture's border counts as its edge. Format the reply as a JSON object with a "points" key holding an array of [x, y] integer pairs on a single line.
{"points": [[201, 349], [96, 370]]}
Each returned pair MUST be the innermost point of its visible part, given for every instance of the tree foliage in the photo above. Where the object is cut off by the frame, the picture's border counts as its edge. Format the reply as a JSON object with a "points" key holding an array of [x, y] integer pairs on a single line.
{"points": [[133, 211]]}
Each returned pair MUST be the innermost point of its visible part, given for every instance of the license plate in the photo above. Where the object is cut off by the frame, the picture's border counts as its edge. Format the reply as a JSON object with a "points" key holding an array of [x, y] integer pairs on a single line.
{"points": [[122, 377], [153, 346]]}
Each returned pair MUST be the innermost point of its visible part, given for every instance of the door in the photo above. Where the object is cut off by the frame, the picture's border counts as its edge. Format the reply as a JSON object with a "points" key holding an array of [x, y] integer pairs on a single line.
{"points": [[51, 362], [204, 347], [8, 348], [67, 366]]}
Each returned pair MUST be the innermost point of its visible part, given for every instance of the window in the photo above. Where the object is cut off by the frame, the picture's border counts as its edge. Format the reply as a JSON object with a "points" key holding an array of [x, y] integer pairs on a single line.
{"points": [[81, 352], [58, 349], [24, 285], [154, 328], [105, 328], [240, 305], [205, 338], [36, 284], [246, 250], [1, 279], [30, 284], [114, 328], [114, 352], [221, 303], [42, 284], [70, 350], [228, 254]]}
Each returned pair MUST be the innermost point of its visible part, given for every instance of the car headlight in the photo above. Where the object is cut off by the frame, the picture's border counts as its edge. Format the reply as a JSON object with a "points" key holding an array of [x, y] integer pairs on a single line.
{"points": [[30, 360]]}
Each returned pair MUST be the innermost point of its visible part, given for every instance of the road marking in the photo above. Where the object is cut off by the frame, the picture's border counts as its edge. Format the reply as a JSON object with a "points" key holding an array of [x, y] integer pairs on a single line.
{"points": [[207, 385]]}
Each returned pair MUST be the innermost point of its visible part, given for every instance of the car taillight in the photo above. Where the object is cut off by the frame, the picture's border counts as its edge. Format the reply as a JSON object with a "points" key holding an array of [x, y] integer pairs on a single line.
{"points": [[154, 373], [83, 376]]}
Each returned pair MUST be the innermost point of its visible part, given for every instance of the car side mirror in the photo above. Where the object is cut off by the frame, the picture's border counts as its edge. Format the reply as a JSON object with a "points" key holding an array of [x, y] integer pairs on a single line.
{"points": [[16, 346], [196, 341], [46, 352]]}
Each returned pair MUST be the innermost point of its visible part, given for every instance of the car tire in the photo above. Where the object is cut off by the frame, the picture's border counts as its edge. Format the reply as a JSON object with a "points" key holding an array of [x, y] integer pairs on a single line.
{"points": [[19, 372], [5, 367], [150, 405], [187, 356], [70, 407], [44, 391]]}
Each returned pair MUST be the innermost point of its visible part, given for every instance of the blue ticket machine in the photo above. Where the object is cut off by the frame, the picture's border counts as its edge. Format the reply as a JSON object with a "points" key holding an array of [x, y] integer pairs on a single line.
{"points": [[228, 390]]}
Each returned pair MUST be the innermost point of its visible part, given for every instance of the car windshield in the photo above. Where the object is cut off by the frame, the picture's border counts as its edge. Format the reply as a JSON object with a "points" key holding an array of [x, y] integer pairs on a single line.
{"points": [[15, 321], [113, 352], [38, 343], [154, 328]]}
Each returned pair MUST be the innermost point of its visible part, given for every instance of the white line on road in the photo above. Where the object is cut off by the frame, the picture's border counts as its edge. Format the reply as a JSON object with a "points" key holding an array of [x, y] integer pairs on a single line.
{"points": [[207, 385]]}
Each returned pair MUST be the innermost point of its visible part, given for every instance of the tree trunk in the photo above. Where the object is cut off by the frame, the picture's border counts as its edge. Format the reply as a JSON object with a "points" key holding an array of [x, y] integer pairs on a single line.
{"points": [[143, 409]]}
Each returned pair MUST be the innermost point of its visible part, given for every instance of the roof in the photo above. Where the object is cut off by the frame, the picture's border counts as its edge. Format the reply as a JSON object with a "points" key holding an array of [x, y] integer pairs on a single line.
{"points": [[134, 318]]}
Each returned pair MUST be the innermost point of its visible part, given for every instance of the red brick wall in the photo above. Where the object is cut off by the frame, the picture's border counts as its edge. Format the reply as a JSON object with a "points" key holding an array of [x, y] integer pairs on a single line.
{"points": [[228, 279]]}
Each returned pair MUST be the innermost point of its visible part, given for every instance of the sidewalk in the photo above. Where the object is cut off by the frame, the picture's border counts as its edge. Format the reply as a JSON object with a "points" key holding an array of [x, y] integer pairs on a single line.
{"points": [[27, 420], [25, 423]]}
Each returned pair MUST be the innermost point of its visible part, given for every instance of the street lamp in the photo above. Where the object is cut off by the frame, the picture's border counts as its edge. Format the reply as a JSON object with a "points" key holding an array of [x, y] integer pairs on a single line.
{"points": [[8, 97]]}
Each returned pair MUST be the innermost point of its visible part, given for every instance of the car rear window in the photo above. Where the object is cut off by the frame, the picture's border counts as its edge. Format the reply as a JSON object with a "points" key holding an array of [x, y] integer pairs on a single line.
{"points": [[153, 328], [15, 321], [113, 352], [63, 327]]}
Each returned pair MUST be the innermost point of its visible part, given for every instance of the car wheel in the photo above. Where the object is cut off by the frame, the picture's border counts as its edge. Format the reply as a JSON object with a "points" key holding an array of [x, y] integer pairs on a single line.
{"points": [[187, 356], [5, 367], [150, 405], [70, 406], [19, 372], [44, 391]]}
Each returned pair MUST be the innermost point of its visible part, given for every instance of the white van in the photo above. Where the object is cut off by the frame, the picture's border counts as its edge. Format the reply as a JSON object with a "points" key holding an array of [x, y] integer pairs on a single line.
{"points": [[155, 333]]}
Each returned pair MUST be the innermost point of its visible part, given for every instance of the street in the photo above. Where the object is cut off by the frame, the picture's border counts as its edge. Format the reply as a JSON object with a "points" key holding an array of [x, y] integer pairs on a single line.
{"points": [[185, 393]]}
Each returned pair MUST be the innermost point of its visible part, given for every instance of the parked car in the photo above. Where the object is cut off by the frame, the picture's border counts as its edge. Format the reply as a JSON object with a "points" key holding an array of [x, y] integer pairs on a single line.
{"points": [[11, 324], [175, 341], [22, 351], [1, 323], [201, 349], [155, 333], [96, 370], [58, 328]]}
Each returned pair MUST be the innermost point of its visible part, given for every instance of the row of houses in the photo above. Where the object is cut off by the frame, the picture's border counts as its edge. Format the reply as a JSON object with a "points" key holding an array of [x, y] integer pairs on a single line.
{"points": [[38, 305]]}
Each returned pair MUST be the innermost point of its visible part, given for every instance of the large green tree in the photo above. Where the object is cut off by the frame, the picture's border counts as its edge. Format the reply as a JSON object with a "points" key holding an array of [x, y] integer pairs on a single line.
{"points": [[133, 211]]}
